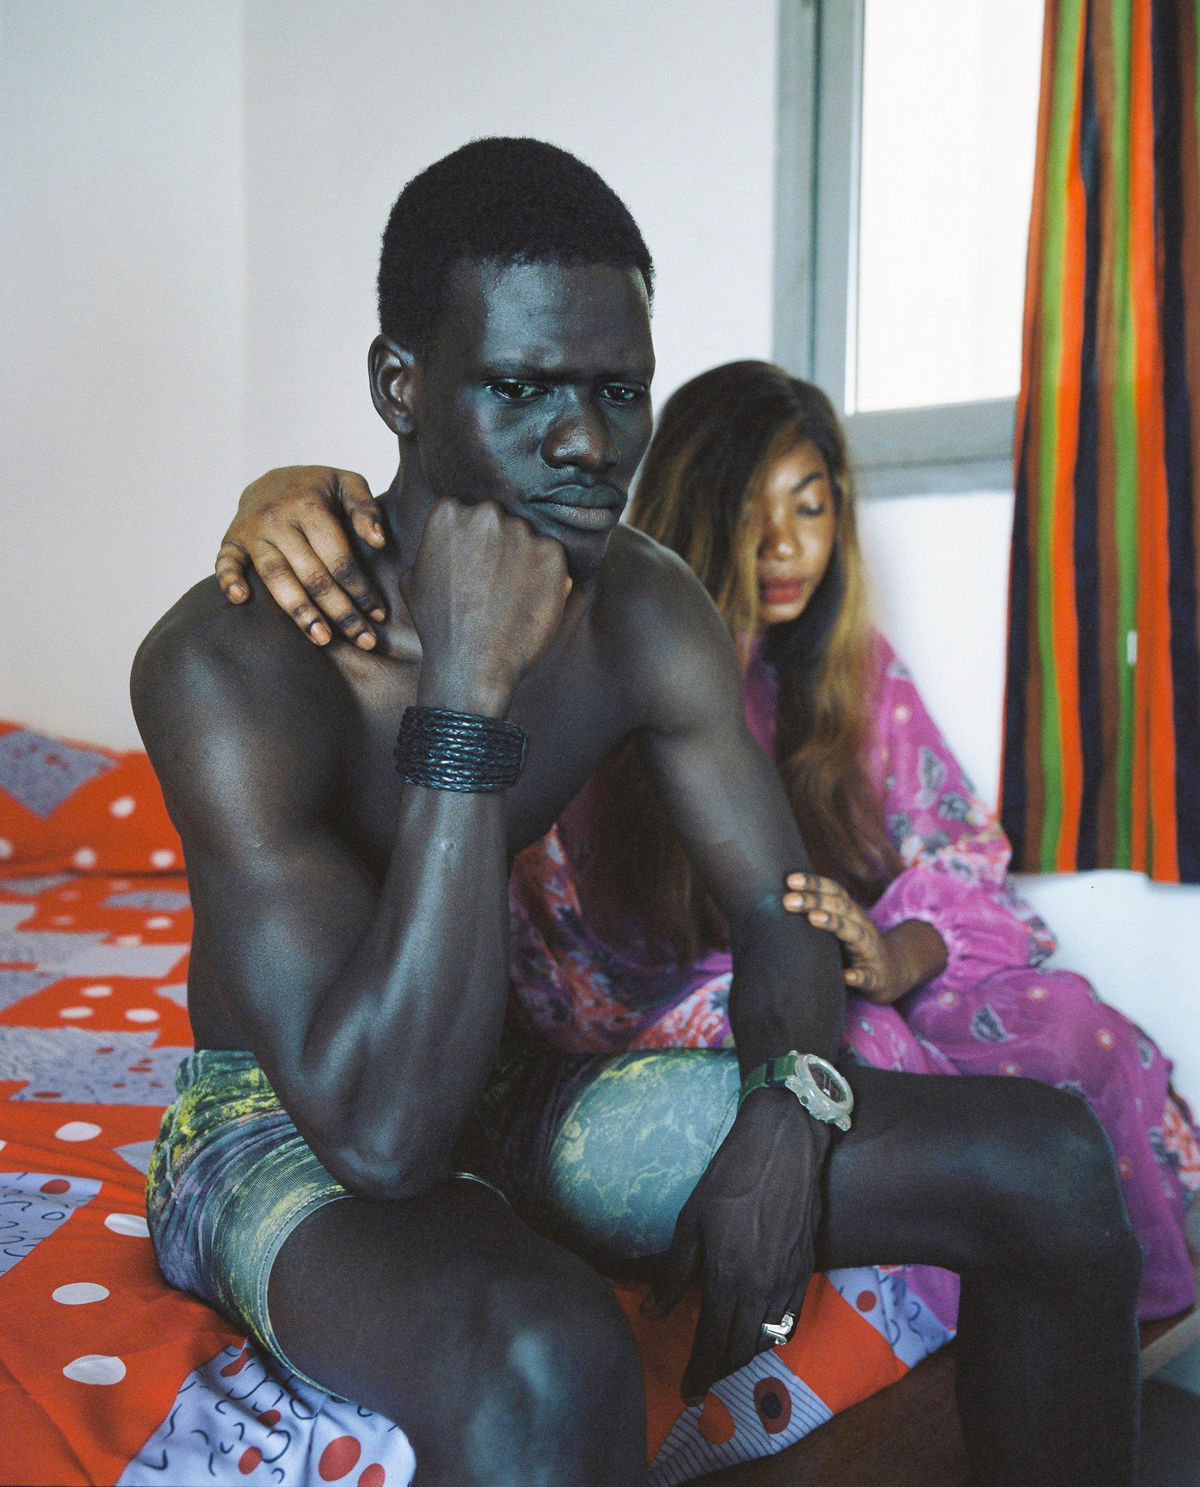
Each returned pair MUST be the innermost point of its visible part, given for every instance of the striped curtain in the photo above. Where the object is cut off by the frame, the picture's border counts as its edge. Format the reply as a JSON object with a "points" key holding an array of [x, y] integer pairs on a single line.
{"points": [[1102, 705]]}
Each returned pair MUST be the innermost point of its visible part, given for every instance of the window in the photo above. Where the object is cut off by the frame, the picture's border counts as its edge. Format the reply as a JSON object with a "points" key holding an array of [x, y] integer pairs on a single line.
{"points": [[907, 131]]}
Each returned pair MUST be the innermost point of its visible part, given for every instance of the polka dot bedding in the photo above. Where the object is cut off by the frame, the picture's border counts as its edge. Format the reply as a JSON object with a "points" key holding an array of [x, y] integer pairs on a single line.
{"points": [[107, 1374], [78, 807]]}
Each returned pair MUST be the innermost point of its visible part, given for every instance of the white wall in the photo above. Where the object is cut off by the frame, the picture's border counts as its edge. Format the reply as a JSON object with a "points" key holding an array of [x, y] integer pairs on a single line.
{"points": [[672, 101], [191, 198], [121, 321]]}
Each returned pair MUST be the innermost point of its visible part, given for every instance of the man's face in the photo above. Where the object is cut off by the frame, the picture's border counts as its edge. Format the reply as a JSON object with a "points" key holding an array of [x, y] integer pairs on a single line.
{"points": [[536, 395]]}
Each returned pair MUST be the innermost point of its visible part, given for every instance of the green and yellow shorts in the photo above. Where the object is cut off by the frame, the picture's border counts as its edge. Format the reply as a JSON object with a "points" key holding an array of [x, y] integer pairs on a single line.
{"points": [[599, 1152]]}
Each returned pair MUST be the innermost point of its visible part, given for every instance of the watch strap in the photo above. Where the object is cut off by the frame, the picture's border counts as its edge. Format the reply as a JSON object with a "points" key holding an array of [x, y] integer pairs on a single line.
{"points": [[793, 1072], [773, 1074]]}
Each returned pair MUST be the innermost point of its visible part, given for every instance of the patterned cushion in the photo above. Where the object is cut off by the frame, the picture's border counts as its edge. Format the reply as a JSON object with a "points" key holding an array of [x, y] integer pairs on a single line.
{"points": [[81, 807]]}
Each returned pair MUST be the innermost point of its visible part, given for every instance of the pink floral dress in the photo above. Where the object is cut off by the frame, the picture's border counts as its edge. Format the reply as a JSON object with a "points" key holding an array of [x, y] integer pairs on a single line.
{"points": [[995, 1009]]}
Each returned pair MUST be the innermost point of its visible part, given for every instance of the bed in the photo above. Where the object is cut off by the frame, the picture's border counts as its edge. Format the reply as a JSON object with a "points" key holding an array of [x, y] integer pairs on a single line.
{"points": [[107, 1374]]}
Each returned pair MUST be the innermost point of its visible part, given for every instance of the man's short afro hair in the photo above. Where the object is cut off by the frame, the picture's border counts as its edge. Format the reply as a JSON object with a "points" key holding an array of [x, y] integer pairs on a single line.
{"points": [[504, 200]]}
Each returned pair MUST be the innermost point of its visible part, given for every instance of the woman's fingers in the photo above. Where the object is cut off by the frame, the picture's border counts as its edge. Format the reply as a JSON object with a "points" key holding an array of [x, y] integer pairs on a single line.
{"points": [[828, 906], [364, 512], [328, 542], [230, 569], [275, 570], [808, 891], [289, 564], [288, 592], [826, 915]]}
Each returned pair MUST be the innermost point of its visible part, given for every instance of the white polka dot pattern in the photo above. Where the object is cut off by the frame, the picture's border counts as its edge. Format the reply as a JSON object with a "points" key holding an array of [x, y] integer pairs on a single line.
{"points": [[95, 1368], [132, 1225], [79, 1293], [78, 1130]]}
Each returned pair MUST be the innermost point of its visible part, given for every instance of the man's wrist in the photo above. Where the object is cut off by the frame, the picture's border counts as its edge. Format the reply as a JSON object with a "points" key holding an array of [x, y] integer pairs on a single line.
{"points": [[441, 749], [462, 691], [769, 1035], [780, 1107], [817, 1085]]}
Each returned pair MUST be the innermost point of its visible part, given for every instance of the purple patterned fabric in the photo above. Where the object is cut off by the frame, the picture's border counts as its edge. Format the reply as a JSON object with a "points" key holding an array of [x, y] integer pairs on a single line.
{"points": [[993, 1010], [996, 1009]]}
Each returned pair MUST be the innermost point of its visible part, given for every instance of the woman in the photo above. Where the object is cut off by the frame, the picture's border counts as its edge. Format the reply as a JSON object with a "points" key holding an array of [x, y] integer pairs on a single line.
{"points": [[615, 946]]}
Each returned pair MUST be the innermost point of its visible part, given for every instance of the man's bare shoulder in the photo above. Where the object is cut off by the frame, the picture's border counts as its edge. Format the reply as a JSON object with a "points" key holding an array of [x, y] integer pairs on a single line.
{"points": [[655, 615], [641, 582], [211, 673]]}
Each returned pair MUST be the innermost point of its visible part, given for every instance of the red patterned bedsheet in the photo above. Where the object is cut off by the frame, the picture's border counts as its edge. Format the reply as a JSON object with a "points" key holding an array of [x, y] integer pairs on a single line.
{"points": [[109, 1375]]}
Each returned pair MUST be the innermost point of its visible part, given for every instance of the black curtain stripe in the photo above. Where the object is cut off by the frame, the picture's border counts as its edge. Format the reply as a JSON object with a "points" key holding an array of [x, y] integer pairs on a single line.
{"points": [[1169, 186]]}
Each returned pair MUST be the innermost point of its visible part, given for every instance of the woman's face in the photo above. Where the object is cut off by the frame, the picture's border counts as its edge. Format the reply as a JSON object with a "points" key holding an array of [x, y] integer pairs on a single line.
{"points": [[795, 522]]}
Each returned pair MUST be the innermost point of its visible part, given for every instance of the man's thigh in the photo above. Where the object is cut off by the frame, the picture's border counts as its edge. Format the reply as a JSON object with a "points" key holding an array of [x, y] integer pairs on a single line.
{"points": [[958, 1171], [480, 1338], [928, 1159], [940, 1170]]}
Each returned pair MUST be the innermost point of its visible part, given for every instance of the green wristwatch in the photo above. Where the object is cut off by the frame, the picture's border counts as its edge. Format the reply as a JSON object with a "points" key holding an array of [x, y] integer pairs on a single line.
{"points": [[813, 1080]]}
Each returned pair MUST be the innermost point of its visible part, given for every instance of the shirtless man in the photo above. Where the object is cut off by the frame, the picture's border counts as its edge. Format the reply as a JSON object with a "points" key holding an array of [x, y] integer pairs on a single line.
{"points": [[350, 970]]}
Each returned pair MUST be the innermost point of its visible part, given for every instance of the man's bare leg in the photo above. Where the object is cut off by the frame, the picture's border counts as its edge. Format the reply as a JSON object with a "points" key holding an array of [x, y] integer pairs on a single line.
{"points": [[1008, 1182], [492, 1347], [505, 1359], [1013, 1185]]}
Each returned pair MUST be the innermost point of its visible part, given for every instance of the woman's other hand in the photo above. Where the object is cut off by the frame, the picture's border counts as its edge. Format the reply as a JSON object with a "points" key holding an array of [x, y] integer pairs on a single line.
{"points": [[289, 524], [880, 967]]}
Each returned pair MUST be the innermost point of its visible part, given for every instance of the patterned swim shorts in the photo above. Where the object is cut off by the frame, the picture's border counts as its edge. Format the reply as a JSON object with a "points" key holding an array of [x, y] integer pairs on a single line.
{"points": [[598, 1152], [230, 1177]]}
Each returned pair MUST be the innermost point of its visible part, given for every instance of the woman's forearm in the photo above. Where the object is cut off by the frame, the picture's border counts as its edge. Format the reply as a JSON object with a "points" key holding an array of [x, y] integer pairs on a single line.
{"points": [[918, 954]]}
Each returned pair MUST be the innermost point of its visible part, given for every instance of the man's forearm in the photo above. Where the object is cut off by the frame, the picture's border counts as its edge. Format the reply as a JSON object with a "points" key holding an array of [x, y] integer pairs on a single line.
{"points": [[404, 1036], [787, 988]]}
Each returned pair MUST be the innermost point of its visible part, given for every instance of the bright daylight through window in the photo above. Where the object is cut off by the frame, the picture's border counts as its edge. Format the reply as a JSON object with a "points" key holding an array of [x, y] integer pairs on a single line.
{"points": [[949, 120]]}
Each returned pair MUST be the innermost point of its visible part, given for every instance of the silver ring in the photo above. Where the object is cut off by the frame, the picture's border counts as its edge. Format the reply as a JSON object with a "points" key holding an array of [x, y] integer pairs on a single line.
{"points": [[781, 1331]]}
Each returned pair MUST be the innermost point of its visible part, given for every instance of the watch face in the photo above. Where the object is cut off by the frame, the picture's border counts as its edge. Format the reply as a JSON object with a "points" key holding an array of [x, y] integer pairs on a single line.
{"points": [[826, 1083]]}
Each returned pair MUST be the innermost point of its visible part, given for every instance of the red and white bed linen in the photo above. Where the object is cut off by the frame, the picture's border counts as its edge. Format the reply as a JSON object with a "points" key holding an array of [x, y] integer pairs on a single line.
{"points": [[107, 1374]]}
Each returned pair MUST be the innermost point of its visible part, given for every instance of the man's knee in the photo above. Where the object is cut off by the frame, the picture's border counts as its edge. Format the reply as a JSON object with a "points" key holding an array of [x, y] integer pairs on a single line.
{"points": [[558, 1372], [566, 1341], [1054, 1201]]}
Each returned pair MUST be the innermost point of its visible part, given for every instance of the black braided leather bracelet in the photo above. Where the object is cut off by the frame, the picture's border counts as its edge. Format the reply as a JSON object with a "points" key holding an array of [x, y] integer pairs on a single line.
{"points": [[444, 750]]}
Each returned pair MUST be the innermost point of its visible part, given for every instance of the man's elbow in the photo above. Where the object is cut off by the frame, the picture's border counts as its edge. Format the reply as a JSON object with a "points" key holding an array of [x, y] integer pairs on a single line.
{"points": [[765, 916], [767, 927], [371, 1169]]}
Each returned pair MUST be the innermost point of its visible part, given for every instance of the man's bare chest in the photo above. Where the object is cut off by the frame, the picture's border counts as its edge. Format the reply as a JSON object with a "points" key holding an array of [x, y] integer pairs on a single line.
{"points": [[573, 707]]}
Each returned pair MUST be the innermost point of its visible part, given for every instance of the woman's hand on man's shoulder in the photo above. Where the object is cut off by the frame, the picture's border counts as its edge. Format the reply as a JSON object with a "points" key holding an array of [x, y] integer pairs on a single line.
{"points": [[291, 527]]}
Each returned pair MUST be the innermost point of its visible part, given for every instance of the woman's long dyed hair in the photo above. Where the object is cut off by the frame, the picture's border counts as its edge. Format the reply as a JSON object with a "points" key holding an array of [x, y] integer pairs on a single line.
{"points": [[717, 438]]}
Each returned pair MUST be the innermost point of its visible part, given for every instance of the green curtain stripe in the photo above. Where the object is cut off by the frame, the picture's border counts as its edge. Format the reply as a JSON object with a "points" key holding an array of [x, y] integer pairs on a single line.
{"points": [[1125, 483], [1141, 281], [1058, 164]]}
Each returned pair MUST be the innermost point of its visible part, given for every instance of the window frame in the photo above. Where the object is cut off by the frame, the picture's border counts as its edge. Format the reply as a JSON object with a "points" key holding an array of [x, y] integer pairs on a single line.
{"points": [[955, 447]]}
